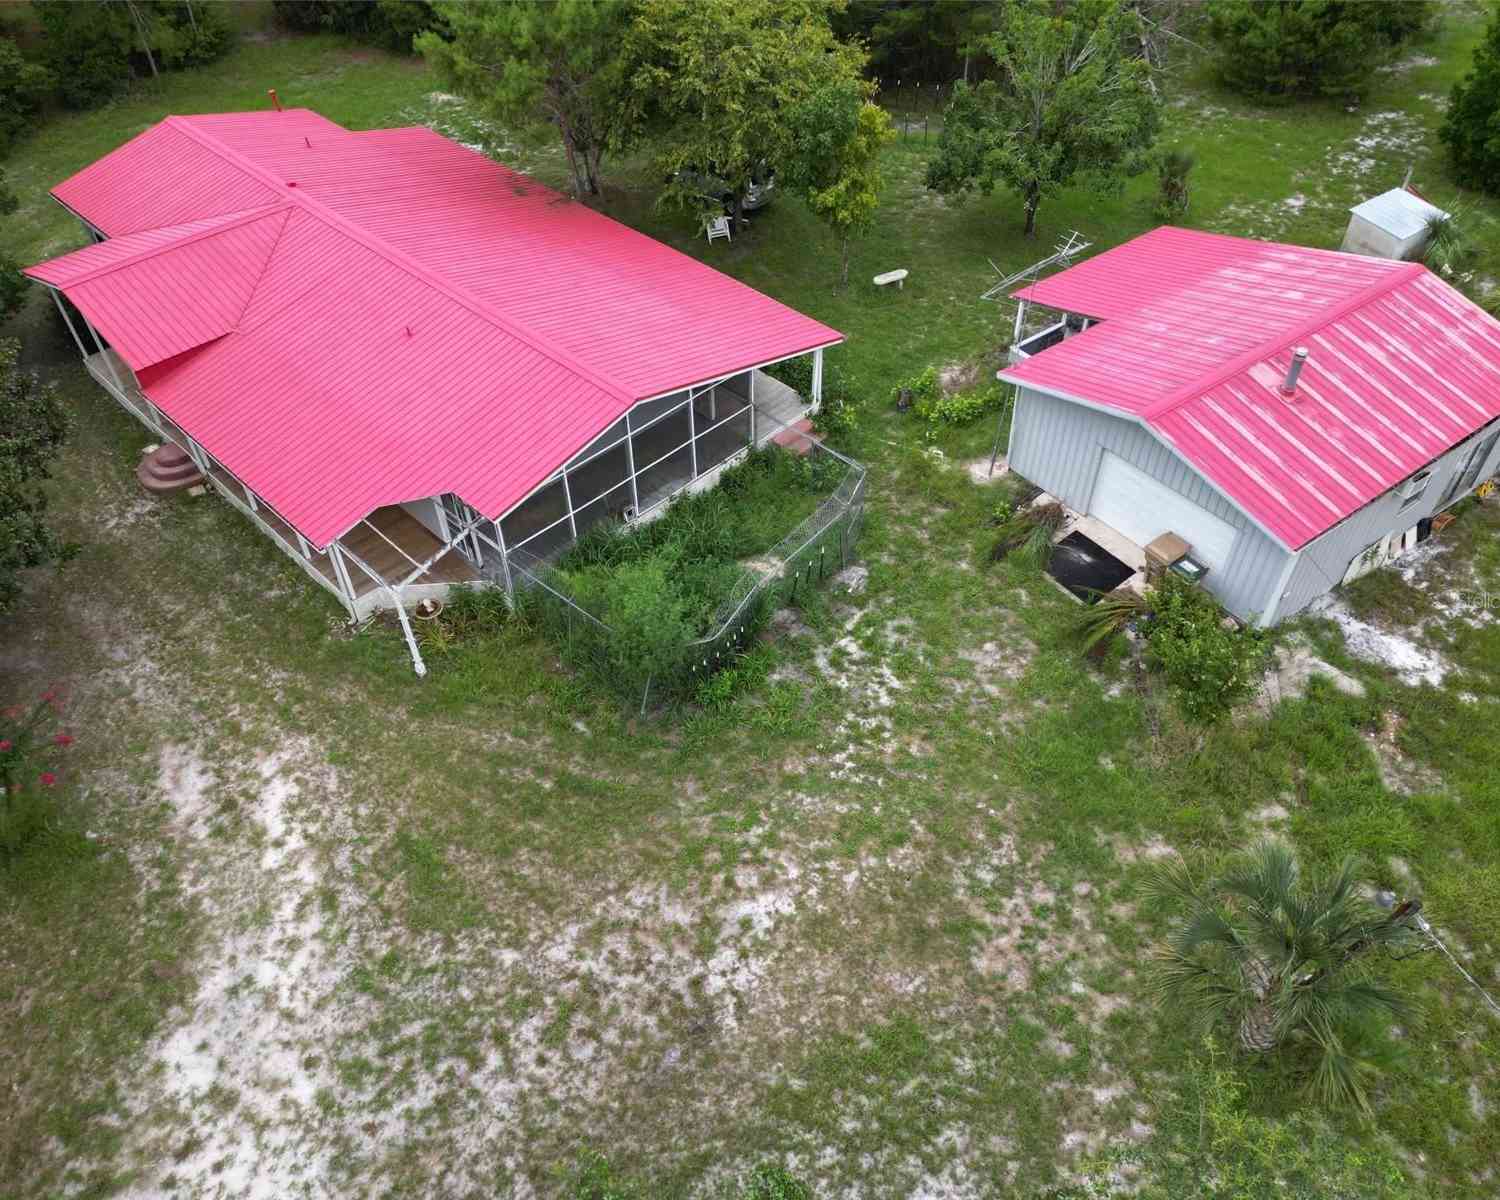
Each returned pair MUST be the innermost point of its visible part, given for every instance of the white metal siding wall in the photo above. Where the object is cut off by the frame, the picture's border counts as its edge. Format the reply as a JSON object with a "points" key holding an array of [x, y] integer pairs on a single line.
{"points": [[1324, 560], [1057, 445]]}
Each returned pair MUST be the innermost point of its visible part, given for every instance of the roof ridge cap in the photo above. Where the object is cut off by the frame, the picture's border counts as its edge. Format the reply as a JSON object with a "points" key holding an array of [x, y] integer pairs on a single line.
{"points": [[1402, 273], [227, 221], [379, 245]]}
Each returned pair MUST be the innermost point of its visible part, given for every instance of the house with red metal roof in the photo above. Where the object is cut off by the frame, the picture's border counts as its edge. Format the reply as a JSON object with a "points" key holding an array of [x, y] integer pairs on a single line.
{"points": [[410, 365], [1296, 416]]}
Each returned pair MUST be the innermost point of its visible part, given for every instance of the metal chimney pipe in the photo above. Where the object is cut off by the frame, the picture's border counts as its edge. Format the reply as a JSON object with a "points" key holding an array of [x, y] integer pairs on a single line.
{"points": [[1299, 360]]}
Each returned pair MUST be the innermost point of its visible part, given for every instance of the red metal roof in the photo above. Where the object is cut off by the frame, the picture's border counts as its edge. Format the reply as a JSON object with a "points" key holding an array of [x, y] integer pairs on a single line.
{"points": [[347, 320], [1196, 336]]}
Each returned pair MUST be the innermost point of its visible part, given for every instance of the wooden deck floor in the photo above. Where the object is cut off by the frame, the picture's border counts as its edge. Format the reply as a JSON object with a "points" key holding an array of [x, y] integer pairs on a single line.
{"points": [[414, 538]]}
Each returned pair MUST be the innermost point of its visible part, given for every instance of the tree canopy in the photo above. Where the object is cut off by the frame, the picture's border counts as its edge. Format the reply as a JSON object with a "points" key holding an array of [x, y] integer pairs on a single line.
{"points": [[1309, 47], [560, 63], [716, 81], [12, 283], [33, 424], [839, 134], [1069, 100], [1471, 129]]}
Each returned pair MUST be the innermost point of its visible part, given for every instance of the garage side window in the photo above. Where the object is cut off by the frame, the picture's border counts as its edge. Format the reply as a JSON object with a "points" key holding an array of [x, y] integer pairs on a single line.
{"points": [[1414, 488]]}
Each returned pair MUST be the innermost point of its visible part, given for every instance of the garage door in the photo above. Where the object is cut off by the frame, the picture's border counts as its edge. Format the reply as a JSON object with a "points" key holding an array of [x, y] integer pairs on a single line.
{"points": [[1142, 508]]}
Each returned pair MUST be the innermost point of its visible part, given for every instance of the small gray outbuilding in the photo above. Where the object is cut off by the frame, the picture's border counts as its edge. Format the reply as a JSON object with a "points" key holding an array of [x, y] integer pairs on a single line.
{"points": [[1297, 416]]}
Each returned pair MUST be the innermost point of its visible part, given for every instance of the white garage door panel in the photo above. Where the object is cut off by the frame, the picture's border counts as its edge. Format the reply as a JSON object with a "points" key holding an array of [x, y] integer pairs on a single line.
{"points": [[1142, 508]]}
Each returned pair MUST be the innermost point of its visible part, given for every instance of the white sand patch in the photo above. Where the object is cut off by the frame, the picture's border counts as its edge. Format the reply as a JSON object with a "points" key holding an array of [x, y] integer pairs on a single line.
{"points": [[1412, 663], [1295, 667], [259, 1001]]}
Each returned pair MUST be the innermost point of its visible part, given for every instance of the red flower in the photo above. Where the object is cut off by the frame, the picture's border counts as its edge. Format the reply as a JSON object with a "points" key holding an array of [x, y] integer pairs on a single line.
{"points": [[48, 778], [63, 739], [4, 745]]}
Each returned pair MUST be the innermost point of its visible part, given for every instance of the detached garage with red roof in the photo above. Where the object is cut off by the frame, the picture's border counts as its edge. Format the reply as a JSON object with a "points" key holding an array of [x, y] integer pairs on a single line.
{"points": [[1296, 416], [412, 366]]}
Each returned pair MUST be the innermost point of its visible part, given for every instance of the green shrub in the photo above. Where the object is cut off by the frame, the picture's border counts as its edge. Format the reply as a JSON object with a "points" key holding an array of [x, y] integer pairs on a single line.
{"points": [[1209, 666], [923, 390], [769, 1182], [13, 284], [23, 87], [390, 24], [33, 424], [1211, 1145], [1288, 48], [30, 742], [1471, 129], [190, 35], [87, 48]]}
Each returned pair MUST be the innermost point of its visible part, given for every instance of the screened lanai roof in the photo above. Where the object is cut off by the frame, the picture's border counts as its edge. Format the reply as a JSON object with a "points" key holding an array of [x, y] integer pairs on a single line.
{"points": [[347, 320]]}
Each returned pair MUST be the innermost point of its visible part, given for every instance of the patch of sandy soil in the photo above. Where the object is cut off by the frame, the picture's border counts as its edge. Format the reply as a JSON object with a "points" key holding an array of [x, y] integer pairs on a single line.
{"points": [[980, 473], [1412, 662], [1295, 666]]}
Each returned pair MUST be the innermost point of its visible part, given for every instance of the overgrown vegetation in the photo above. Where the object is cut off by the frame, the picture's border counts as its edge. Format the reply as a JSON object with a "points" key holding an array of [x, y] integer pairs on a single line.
{"points": [[92, 45], [1069, 101], [1471, 128], [390, 24], [13, 285], [33, 424], [1210, 662], [1295, 48], [661, 585], [29, 747], [1212, 1144]]}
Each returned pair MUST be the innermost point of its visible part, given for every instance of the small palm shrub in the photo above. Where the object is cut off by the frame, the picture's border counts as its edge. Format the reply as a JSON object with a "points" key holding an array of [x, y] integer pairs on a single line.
{"points": [[1288, 965], [1173, 166], [1027, 534], [1109, 615]]}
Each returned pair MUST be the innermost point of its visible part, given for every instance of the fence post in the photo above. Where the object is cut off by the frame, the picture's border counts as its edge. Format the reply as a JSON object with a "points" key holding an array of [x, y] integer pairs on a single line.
{"points": [[646, 695]]}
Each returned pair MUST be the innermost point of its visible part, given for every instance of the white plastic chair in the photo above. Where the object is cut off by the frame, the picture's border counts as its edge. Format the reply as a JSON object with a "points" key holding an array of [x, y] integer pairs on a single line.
{"points": [[717, 227]]}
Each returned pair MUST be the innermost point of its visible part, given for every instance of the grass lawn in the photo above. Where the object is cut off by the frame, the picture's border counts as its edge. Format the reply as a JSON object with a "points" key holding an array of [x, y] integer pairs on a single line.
{"points": [[309, 926]]}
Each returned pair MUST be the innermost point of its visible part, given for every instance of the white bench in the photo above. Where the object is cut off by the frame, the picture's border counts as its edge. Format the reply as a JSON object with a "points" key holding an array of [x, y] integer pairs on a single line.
{"points": [[897, 277]]}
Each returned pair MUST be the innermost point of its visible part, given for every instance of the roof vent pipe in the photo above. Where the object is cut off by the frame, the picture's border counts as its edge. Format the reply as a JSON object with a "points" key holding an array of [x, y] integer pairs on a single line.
{"points": [[276, 100], [1299, 359]]}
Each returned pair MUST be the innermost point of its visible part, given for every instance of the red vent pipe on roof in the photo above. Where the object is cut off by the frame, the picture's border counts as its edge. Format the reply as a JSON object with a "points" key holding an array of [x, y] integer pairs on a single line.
{"points": [[271, 92]]}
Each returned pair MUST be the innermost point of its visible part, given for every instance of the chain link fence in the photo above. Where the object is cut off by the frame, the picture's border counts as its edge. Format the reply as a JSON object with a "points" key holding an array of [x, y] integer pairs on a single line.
{"points": [[821, 545]]}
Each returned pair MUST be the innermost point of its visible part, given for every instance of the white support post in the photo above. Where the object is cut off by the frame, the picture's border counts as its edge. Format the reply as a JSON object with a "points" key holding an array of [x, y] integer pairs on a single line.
{"points": [[1015, 339], [302, 545], [341, 573], [568, 496], [752, 410], [411, 641], [510, 587], [195, 452], [250, 499], [77, 341], [635, 495], [108, 362], [692, 407], [817, 380]]}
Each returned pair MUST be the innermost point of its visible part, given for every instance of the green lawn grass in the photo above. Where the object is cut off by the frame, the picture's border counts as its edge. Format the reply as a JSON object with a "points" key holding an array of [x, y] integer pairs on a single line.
{"points": [[878, 918]]}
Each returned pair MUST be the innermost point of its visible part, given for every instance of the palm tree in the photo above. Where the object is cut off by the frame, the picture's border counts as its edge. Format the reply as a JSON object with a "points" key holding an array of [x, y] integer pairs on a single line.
{"points": [[1285, 961]]}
